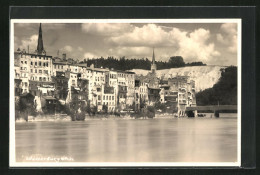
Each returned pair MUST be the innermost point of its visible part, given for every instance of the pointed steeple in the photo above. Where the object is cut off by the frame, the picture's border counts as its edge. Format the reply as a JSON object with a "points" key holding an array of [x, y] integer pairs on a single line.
{"points": [[40, 48], [153, 65], [153, 62]]}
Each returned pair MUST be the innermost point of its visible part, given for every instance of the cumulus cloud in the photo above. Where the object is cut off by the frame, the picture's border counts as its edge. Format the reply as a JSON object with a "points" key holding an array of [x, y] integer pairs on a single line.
{"points": [[105, 29], [31, 42], [67, 48], [228, 36], [195, 45], [191, 45], [148, 35]]}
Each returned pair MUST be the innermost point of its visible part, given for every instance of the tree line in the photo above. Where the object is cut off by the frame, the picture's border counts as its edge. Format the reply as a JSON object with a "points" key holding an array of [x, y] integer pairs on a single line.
{"points": [[135, 63], [224, 92]]}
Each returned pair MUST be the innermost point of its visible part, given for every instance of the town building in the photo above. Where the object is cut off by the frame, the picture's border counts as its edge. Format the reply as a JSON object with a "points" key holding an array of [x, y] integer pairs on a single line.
{"points": [[109, 99], [35, 66], [186, 92], [130, 83], [49, 79], [61, 86]]}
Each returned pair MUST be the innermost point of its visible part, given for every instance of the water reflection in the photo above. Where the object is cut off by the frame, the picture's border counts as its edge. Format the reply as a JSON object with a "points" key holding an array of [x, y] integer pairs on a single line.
{"points": [[152, 140]]}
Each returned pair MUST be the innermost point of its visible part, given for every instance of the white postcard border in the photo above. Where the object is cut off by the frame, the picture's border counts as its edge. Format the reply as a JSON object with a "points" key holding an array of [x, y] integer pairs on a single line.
{"points": [[12, 160]]}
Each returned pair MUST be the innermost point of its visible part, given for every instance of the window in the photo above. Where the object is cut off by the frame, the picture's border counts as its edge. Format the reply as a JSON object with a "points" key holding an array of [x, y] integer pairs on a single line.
{"points": [[31, 71], [35, 70], [22, 62], [46, 71], [25, 84], [55, 66], [35, 63], [40, 71], [112, 97], [109, 97], [99, 97], [103, 97], [47, 64], [40, 63], [40, 78], [31, 63], [44, 64], [44, 79], [25, 62]]}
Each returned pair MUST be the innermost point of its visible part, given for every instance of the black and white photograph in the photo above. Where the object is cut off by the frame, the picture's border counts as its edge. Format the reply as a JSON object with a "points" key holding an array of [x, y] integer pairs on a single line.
{"points": [[125, 92]]}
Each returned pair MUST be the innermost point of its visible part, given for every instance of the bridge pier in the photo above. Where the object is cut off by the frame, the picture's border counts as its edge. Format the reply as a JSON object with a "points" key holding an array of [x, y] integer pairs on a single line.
{"points": [[216, 113], [195, 113]]}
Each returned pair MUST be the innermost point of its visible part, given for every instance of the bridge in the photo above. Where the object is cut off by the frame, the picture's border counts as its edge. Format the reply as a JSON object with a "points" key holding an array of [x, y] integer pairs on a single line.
{"points": [[192, 111]]}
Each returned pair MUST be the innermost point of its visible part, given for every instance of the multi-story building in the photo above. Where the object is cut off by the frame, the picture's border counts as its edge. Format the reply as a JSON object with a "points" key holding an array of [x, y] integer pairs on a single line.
{"points": [[35, 66], [122, 96], [61, 85], [109, 98], [72, 84], [141, 93], [169, 98], [17, 81], [130, 83], [59, 67], [186, 92]]}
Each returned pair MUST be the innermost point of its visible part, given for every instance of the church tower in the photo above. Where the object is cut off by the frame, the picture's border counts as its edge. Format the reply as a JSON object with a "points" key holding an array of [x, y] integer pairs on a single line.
{"points": [[40, 49], [153, 65]]}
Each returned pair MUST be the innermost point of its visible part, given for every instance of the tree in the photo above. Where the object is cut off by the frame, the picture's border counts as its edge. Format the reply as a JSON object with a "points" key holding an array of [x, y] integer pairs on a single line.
{"points": [[76, 109], [224, 92], [176, 61]]}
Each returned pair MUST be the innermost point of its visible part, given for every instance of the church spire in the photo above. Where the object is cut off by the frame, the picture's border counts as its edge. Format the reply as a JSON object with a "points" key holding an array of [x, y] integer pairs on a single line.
{"points": [[153, 65], [153, 62], [40, 49]]}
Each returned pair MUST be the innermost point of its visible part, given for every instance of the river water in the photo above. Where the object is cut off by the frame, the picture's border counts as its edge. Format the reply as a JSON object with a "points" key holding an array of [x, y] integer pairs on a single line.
{"points": [[149, 140]]}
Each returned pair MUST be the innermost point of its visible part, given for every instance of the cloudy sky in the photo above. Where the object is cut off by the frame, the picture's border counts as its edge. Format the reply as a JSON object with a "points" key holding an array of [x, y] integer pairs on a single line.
{"points": [[211, 43]]}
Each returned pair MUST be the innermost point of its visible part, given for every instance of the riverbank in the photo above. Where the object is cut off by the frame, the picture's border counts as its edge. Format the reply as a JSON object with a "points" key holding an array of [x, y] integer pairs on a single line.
{"points": [[65, 117]]}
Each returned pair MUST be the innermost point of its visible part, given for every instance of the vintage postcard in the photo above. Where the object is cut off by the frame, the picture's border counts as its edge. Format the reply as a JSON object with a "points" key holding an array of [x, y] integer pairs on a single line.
{"points": [[128, 92]]}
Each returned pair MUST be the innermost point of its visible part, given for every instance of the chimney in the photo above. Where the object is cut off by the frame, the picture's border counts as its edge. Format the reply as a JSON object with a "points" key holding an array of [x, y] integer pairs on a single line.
{"points": [[64, 56]]}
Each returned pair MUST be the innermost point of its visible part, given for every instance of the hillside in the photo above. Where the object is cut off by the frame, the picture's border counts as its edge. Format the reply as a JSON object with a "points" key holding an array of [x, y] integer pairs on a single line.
{"points": [[204, 76], [224, 92]]}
